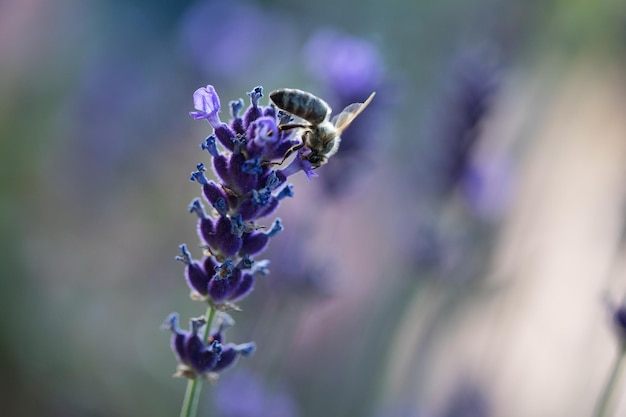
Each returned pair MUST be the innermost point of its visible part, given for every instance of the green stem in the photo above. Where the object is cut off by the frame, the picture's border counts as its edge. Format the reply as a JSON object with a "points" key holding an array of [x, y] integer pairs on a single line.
{"points": [[603, 407], [194, 386]]}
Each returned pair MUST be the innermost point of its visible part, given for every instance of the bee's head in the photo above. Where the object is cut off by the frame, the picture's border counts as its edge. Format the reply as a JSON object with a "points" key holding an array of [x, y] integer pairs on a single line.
{"points": [[316, 159]]}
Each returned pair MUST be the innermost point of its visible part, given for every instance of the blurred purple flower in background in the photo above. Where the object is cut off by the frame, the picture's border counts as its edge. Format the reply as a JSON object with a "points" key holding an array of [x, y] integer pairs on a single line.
{"points": [[456, 124], [294, 269], [349, 69], [617, 316], [619, 320], [108, 131], [242, 29], [467, 400], [427, 249], [488, 182], [451, 165], [347, 66], [245, 394]]}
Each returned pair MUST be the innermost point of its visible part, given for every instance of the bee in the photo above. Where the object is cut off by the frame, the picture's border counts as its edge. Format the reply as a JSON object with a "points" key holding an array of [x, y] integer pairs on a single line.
{"points": [[321, 136]]}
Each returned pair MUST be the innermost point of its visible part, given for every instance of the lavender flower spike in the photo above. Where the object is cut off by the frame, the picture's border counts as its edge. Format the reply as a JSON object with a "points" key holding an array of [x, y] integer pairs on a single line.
{"points": [[245, 189]]}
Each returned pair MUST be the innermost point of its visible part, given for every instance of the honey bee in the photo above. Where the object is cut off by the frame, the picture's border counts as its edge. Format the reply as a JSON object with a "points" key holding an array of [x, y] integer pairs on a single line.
{"points": [[321, 136]]}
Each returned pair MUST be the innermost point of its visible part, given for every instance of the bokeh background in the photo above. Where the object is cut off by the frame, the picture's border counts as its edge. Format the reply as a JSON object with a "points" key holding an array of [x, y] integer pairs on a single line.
{"points": [[457, 258]]}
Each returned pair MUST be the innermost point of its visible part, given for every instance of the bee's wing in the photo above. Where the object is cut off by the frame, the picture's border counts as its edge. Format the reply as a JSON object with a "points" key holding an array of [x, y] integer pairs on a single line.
{"points": [[343, 119]]}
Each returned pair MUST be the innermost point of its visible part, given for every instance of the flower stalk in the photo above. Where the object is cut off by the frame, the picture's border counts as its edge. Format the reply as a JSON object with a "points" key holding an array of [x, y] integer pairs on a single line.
{"points": [[603, 409]]}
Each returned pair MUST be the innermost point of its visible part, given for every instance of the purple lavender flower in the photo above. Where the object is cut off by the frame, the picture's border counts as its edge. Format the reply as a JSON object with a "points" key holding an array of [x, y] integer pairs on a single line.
{"points": [[197, 357], [207, 103], [246, 189]]}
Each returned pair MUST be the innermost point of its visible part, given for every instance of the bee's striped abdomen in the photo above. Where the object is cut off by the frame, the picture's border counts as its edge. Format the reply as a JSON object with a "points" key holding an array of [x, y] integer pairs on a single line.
{"points": [[302, 104]]}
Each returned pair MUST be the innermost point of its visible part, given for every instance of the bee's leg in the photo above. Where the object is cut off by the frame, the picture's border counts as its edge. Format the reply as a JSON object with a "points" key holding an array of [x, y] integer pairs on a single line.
{"points": [[293, 126], [289, 152], [293, 148]]}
